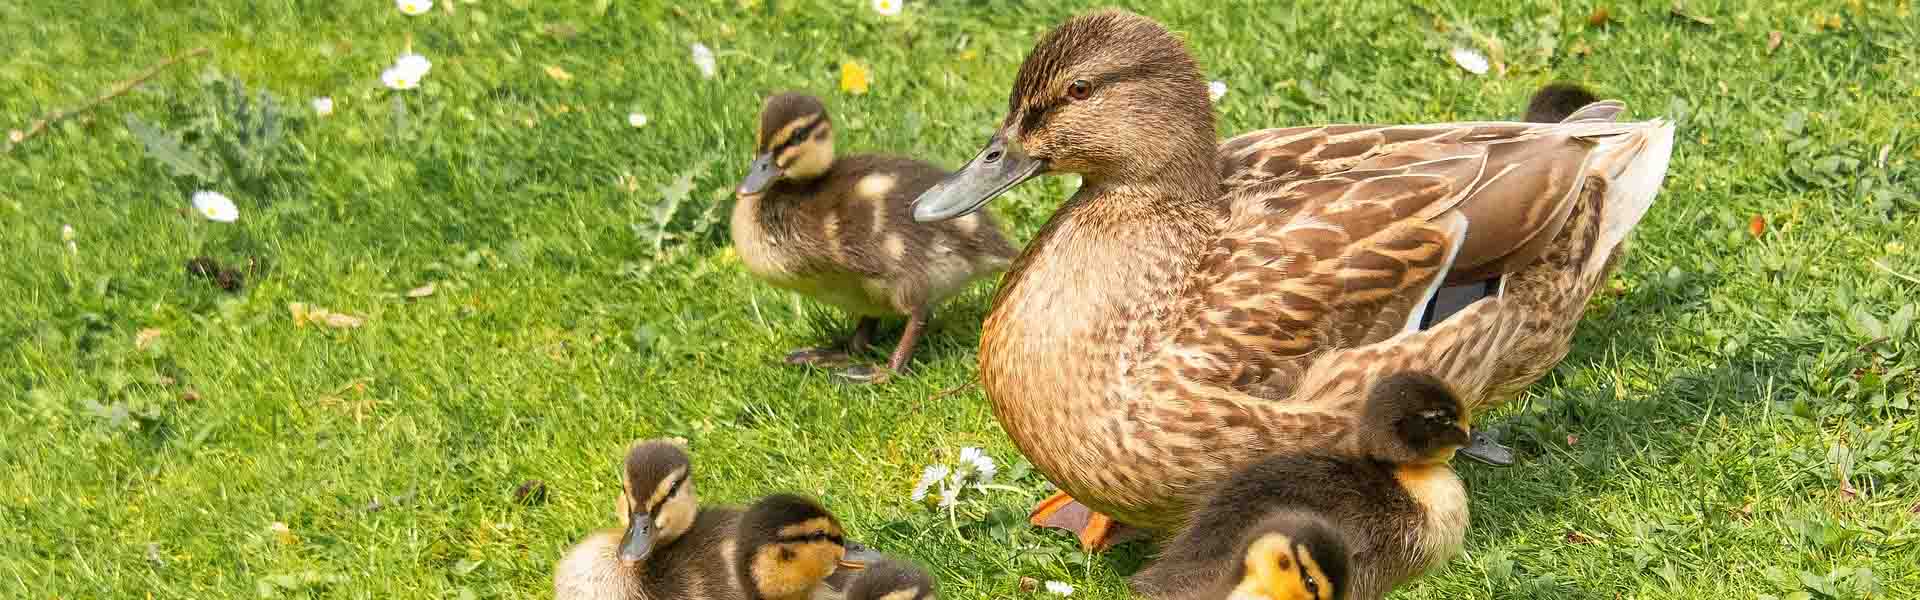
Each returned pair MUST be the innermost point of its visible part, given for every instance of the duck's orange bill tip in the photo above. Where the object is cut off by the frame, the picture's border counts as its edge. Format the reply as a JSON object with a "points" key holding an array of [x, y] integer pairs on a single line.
{"points": [[852, 565]]}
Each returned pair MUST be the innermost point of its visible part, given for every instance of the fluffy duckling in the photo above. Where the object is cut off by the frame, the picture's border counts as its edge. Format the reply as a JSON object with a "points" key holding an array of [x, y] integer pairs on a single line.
{"points": [[666, 545], [1556, 102], [892, 579], [841, 232], [1327, 526], [788, 547]]}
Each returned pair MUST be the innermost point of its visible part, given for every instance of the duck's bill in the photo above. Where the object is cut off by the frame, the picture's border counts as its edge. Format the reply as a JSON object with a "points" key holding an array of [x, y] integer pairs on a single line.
{"points": [[1487, 449], [759, 175], [999, 167], [638, 541], [859, 556]]}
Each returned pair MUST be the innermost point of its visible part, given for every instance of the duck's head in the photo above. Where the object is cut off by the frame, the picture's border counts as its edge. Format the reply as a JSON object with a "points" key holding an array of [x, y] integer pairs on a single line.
{"points": [[893, 580], [795, 143], [1291, 556], [1413, 418], [787, 546], [1112, 96], [657, 504]]}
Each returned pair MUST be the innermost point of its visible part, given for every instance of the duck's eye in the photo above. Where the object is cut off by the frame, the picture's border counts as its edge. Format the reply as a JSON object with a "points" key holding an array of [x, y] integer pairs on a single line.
{"points": [[1079, 89]]}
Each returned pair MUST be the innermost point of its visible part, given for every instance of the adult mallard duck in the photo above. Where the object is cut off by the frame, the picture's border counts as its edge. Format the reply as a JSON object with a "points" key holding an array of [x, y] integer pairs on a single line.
{"points": [[839, 231], [1198, 304], [1313, 525]]}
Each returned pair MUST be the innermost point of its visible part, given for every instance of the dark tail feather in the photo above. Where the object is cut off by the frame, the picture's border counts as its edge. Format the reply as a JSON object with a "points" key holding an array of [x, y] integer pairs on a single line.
{"points": [[1557, 101]]}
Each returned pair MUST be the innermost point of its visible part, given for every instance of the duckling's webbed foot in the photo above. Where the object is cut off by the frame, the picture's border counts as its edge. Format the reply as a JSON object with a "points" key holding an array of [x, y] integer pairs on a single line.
{"points": [[828, 357], [1097, 532], [819, 357], [1486, 448]]}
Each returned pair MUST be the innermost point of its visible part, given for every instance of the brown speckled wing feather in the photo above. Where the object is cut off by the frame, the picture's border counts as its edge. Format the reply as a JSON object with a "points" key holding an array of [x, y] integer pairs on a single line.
{"points": [[1337, 235]]}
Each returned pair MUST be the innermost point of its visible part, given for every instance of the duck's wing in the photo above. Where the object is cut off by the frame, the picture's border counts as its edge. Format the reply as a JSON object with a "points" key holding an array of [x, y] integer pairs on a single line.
{"points": [[1338, 237]]}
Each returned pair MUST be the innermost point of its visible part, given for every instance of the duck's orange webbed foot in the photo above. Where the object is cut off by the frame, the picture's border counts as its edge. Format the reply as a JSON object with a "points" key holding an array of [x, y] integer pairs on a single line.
{"points": [[1097, 532]]}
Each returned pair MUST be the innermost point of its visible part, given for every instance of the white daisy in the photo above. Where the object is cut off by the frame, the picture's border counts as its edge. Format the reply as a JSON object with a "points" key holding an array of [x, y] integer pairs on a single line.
{"points": [[1216, 90], [395, 78], [1469, 59], [887, 8], [412, 63], [413, 7], [968, 455], [637, 119], [215, 206], [985, 468], [933, 474], [703, 58], [1059, 588], [323, 106]]}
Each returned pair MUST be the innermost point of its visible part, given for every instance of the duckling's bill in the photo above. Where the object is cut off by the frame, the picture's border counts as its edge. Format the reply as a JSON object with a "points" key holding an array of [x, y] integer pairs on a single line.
{"points": [[637, 542], [760, 174], [999, 167]]}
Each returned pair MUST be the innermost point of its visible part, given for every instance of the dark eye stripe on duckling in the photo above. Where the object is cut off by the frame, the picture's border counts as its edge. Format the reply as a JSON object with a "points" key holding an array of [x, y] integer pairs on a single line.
{"points": [[678, 481], [1311, 579], [816, 536], [793, 135]]}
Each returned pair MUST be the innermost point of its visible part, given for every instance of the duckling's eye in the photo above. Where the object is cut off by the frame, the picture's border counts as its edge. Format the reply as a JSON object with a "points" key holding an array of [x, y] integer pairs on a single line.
{"points": [[1079, 89], [1312, 585]]}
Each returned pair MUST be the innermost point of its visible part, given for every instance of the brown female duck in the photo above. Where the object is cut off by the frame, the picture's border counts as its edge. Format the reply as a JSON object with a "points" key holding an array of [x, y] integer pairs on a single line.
{"points": [[1198, 304], [1318, 525], [840, 231]]}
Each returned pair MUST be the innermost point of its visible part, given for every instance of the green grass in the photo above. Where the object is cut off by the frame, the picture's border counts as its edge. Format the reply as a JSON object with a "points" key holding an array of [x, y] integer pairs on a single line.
{"points": [[1694, 445]]}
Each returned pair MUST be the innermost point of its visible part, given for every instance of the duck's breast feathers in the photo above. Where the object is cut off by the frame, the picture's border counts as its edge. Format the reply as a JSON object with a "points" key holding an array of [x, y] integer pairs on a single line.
{"points": [[1337, 235]]}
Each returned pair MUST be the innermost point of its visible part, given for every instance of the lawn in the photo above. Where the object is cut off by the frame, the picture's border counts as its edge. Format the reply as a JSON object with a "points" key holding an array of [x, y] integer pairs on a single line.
{"points": [[1738, 418]]}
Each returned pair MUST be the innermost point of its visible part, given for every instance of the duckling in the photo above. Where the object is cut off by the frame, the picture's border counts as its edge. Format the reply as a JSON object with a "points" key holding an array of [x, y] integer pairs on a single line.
{"points": [[841, 232], [893, 579], [1324, 524], [1558, 101], [788, 547], [667, 545]]}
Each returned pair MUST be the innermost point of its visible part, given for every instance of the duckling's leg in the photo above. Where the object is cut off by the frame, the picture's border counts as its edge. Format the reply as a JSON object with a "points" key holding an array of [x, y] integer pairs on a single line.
{"points": [[1097, 532], [821, 356], [902, 352]]}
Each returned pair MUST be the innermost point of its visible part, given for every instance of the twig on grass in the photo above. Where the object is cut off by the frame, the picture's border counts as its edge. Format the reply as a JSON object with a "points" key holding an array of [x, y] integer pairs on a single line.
{"points": [[119, 89]]}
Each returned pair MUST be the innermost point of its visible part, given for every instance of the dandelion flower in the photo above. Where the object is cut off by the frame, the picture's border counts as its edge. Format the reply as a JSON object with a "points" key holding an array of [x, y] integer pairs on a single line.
{"points": [[413, 8], [323, 106], [414, 64], [703, 58], [1469, 59], [887, 8], [853, 78], [1059, 588], [637, 119], [1216, 90], [215, 206], [933, 474]]}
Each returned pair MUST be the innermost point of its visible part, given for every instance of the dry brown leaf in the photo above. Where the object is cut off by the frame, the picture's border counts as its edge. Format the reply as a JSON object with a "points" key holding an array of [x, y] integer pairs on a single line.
{"points": [[1773, 40], [1757, 225], [558, 74], [422, 291], [1575, 537], [191, 395], [1600, 16], [1029, 584], [343, 321], [304, 314], [146, 337]]}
